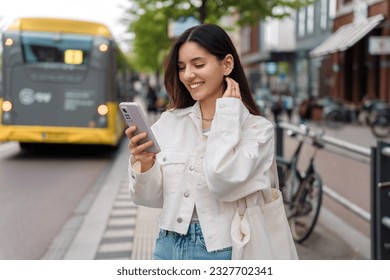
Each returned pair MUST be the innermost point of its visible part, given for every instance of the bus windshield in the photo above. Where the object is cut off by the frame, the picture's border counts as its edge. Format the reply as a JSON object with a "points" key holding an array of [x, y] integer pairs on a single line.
{"points": [[40, 47]]}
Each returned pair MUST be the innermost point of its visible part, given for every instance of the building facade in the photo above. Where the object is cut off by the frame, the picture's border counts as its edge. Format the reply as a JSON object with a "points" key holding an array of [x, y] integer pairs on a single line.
{"points": [[355, 62], [314, 24], [275, 53], [268, 55], [339, 48]]}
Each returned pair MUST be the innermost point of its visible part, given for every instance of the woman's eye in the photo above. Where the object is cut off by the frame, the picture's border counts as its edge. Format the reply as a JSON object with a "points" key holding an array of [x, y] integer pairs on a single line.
{"points": [[199, 65], [181, 68]]}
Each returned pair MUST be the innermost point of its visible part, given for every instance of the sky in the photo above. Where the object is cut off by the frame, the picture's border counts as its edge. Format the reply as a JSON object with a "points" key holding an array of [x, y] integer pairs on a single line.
{"points": [[108, 12]]}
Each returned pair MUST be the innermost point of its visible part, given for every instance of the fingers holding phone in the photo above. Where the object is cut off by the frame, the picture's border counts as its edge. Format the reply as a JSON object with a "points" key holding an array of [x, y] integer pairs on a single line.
{"points": [[138, 148], [136, 119], [143, 145]]}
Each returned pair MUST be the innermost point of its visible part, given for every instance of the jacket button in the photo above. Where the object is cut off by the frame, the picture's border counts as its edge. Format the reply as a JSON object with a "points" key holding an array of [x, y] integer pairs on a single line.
{"points": [[179, 220], [186, 194], [192, 168], [221, 106], [164, 159]]}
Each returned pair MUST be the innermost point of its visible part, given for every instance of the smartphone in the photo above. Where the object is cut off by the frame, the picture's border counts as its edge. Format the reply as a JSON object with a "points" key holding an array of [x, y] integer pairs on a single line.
{"points": [[133, 114]]}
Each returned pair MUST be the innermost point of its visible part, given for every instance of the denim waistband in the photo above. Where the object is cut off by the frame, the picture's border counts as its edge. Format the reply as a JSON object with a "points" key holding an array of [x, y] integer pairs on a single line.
{"points": [[189, 246], [194, 230]]}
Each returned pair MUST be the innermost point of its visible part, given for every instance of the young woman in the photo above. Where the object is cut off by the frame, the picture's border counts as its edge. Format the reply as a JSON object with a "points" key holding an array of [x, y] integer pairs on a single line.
{"points": [[215, 148]]}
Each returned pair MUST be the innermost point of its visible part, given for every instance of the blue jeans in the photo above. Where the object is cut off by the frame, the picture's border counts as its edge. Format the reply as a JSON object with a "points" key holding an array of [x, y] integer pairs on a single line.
{"points": [[191, 246]]}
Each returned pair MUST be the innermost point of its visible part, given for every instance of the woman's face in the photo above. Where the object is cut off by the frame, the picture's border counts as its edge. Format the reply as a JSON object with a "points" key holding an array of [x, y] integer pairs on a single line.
{"points": [[201, 72]]}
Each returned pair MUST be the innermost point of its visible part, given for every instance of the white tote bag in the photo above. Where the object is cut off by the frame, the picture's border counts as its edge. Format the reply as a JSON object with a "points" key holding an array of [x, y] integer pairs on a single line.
{"points": [[260, 230]]}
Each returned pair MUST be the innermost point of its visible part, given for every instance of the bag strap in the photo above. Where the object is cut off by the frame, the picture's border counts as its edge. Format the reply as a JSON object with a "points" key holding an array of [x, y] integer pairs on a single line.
{"points": [[252, 199], [274, 170]]}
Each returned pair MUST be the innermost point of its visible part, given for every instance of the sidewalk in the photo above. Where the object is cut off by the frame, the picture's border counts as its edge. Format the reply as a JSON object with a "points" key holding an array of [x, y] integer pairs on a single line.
{"points": [[130, 230]]}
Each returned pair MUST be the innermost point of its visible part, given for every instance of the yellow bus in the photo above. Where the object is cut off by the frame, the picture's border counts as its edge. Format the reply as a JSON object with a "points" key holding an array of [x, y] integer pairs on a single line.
{"points": [[62, 81]]}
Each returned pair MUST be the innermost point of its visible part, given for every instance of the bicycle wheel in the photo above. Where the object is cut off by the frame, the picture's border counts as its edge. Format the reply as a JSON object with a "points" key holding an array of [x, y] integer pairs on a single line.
{"points": [[291, 185], [380, 127], [306, 207], [334, 119]]}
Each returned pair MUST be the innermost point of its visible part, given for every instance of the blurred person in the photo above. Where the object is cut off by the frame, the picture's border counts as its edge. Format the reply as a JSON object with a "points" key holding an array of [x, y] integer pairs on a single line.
{"points": [[162, 100], [151, 100], [277, 108], [306, 109], [215, 148], [288, 105]]}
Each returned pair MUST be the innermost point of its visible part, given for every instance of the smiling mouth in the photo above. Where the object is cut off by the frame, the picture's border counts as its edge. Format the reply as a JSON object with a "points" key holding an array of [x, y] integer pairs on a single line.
{"points": [[194, 86]]}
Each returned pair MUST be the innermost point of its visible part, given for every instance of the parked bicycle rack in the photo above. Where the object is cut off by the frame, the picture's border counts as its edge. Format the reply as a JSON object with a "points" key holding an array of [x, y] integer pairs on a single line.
{"points": [[380, 188], [380, 223]]}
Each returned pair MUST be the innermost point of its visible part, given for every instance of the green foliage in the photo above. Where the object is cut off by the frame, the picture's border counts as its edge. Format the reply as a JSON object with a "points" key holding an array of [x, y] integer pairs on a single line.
{"points": [[150, 18], [150, 40]]}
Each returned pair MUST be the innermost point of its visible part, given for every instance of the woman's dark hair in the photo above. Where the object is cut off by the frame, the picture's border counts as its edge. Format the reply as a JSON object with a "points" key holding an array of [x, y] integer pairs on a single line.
{"points": [[217, 42]]}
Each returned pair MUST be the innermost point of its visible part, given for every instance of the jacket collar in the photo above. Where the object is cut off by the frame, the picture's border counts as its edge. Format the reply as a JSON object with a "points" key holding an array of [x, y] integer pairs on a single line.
{"points": [[196, 116], [193, 112], [194, 109]]}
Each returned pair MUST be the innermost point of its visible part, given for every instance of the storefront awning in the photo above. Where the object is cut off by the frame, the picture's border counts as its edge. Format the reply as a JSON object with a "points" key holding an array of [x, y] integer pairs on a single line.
{"points": [[346, 36]]}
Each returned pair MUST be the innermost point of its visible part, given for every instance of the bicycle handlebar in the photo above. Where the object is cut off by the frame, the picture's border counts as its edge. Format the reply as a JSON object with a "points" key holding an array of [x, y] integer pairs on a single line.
{"points": [[306, 132]]}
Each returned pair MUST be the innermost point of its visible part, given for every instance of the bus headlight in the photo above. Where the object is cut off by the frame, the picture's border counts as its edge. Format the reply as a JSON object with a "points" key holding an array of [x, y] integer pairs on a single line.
{"points": [[102, 110], [103, 47], [9, 42], [7, 106]]}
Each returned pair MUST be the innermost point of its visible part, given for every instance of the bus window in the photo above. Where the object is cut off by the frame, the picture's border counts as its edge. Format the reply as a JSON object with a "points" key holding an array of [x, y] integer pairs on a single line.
{"points": [[46, 54], [59, 48]]}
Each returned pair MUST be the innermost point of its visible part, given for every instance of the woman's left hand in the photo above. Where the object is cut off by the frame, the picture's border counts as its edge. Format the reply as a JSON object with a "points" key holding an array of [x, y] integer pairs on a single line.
{"points": [[233, 89]]}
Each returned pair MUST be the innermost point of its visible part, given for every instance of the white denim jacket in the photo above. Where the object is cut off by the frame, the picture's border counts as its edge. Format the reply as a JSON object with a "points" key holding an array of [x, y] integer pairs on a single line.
{"points": [[208, 170]]}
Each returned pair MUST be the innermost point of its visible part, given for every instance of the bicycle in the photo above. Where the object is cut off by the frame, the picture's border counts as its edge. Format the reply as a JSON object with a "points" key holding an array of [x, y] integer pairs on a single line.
{"points": [[336, 113], [302, 192], [377, 117]]}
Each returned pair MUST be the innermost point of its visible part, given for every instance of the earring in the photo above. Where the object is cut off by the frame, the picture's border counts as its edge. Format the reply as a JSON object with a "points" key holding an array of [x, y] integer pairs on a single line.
{"points": [[231, 69]]}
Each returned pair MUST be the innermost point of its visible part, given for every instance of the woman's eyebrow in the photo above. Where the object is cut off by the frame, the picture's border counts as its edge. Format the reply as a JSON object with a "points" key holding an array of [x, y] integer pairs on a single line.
{"points": [[194, 59]]}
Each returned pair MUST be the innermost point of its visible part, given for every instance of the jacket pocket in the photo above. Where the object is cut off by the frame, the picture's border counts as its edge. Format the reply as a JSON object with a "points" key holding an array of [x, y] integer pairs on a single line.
{"points": [[172, 162]]}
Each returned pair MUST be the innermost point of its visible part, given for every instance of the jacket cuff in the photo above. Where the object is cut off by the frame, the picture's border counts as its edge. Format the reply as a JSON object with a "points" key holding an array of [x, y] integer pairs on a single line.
{"points": [[135, 175], [229, 106]]}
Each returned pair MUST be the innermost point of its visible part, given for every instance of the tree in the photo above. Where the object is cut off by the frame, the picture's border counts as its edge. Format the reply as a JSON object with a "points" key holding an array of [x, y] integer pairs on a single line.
{"points": [[150, 19], [151, 41]]}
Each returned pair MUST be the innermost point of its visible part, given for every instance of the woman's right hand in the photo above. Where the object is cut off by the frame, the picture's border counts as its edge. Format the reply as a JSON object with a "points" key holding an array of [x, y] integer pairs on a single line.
{"points": [[139, 151], [232, 89]]}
